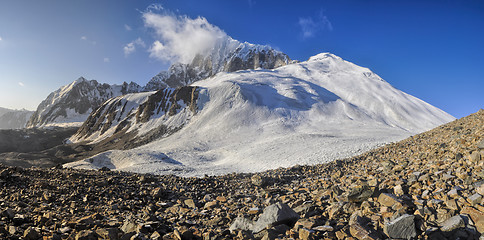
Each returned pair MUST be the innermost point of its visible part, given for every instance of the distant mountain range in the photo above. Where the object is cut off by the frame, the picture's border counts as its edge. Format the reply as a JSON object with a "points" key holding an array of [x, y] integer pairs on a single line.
{"points": [[14, 119]]}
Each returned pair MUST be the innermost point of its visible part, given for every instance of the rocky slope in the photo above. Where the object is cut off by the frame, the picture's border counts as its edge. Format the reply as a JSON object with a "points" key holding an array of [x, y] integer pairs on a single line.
{"points": [[14, 119], [227, 56], [70, 105], [429, 186], [161, 113]]}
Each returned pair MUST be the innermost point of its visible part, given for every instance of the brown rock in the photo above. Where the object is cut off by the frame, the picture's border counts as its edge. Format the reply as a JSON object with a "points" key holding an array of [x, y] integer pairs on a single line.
{"points": [[476, 216], [388, 200], [190, 203], [86, 235], [306, 234]]}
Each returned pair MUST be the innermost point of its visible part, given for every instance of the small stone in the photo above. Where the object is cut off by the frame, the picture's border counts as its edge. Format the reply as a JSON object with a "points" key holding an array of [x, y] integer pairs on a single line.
{"points": [[306, 234], [388, 200], [31, 234], [254, 210], [360, 231], [190, 203], [183, 233], [259, 180], [10, 213], [452, 224], [480, 144], [221, 199], [129, 226], [325, 228], [398, 190], [401, 227], [480, 189], [211, 204], [360, 193], [447, 177], [335, 209], [109, 233], [475, 156], [454, 193], [86, 235], [474, 199], [157, 192]]}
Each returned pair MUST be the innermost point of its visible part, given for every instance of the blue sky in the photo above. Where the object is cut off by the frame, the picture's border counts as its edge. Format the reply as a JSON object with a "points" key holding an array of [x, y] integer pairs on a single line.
{"points": [[433, 50]]}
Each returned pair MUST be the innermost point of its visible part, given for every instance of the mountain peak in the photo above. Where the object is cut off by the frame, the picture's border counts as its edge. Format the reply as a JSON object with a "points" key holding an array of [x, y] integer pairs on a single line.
{"points": [[323, 56], [227, 56]]}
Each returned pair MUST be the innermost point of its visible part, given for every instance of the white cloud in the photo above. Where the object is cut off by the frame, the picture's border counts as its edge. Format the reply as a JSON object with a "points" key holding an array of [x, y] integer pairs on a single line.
{"points": [[106, 60], [131, 47], [181, 38], [154, 7], [127, 27], [311, 27], [1, 38], [21, 84], [251, 3], [84, 38]]}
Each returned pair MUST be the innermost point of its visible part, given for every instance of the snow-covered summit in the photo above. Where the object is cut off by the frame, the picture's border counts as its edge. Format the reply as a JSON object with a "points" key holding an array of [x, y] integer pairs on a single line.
{"points": [[228, 55]]}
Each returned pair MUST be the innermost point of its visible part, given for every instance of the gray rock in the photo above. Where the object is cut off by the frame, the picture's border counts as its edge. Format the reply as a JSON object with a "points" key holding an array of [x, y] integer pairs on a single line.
{"points": [[275, 214], [480, 145], [474, 198], [401, 227], [453, 223], [242, 224]]}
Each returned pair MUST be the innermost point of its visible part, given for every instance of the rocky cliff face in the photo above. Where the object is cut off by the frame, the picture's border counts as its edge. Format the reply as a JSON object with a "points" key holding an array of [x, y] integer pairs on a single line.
{"points": [[14, 119], [72, 104], [138, 118], [228, 57]]}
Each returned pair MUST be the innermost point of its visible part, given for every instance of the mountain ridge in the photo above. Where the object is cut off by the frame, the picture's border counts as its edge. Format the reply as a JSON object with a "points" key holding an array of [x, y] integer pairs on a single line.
{"points": [[70, 105], [307, 112]]}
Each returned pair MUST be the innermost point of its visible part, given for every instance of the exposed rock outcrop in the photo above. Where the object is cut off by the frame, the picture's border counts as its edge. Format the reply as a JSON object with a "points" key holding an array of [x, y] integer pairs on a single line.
{"points": [[231, 57], [129, 113]]}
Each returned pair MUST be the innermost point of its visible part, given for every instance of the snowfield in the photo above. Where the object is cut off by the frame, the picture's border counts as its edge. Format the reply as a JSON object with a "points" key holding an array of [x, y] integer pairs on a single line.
{"points": [[304, 113]]}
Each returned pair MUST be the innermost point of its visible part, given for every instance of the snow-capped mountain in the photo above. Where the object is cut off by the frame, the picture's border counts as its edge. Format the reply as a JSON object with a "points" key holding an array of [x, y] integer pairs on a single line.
{"points": [[70, 105], [252, 120], [227, 56], [13, 119]]}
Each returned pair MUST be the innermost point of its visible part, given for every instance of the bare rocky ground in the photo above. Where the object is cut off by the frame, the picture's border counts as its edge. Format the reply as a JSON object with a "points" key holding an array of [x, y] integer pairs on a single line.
{"points": [[429, 186]]}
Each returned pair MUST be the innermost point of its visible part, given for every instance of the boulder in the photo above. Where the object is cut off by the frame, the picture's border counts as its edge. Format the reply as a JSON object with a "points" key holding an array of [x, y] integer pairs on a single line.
{"points": [[401, 227], [275, 214]]}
